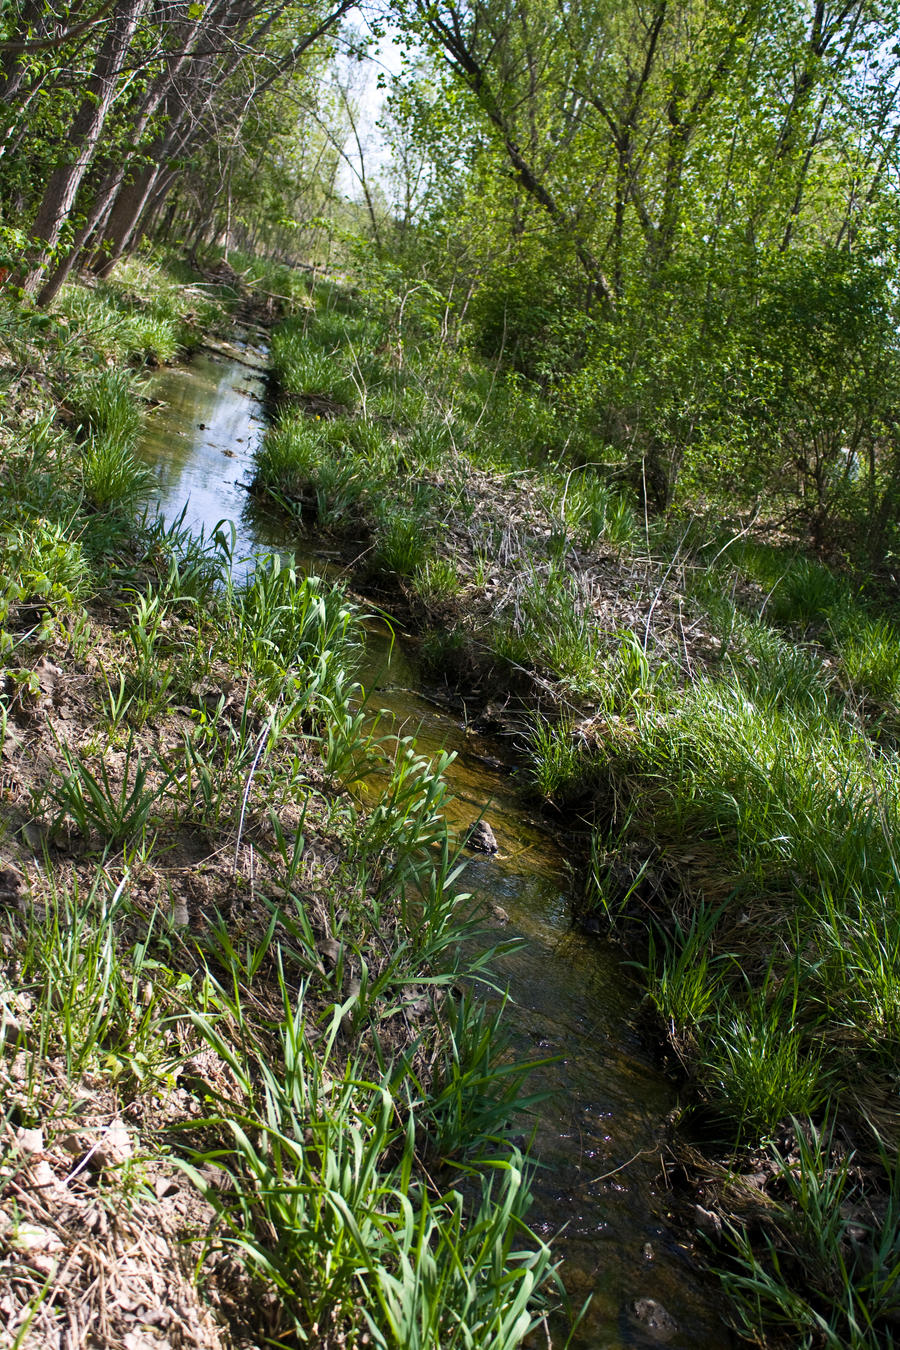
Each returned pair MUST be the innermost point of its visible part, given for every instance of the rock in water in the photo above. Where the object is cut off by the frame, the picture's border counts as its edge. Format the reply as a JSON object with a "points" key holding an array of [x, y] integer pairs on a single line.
{"points": [[654, 1317], [482, 838]]}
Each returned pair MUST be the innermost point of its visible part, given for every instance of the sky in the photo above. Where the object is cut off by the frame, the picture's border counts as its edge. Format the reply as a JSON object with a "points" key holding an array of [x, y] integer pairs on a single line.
{"points": [[386, 59]]}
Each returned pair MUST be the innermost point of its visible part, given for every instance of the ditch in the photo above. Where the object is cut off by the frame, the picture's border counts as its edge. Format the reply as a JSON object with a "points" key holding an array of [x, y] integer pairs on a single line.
{"points": [[600, 1132]]}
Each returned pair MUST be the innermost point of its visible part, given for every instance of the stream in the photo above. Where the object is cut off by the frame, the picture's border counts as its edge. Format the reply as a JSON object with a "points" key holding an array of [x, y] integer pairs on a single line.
{"points": [[598, 1134]]}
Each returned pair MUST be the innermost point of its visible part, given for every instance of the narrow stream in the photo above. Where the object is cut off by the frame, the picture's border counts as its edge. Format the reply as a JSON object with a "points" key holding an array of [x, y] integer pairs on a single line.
{"points": [[598, 1133]]}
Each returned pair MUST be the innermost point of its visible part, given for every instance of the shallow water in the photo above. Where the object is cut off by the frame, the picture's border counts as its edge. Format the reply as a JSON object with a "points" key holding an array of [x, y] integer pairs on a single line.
{"points": [[597, 1135]]}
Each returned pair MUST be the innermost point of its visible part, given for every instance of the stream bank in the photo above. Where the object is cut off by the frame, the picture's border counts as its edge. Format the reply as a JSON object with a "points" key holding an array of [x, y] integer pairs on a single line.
{"points": [[601, 1136], [225, 1046], [724, 709]]}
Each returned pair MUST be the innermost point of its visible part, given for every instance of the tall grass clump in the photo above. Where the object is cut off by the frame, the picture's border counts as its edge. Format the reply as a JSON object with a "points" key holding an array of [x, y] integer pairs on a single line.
{"points": [[788, 816], [115, 330], [295, 628], [88, 989], [554, 621], [324, 1201], [868, 647], [287, 461], [307, 372], [110, 421], [402, 545], [590, 511], [106, 407], [559, 768], [826, 1270]]}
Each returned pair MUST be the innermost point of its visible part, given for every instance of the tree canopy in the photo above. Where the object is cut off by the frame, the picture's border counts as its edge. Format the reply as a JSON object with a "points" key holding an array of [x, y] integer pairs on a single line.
{"points": [[672, 211]]}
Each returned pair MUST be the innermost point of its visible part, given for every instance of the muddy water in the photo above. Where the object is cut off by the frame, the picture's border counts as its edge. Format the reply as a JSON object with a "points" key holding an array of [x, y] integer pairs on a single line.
{"points": [[597, 1134]]}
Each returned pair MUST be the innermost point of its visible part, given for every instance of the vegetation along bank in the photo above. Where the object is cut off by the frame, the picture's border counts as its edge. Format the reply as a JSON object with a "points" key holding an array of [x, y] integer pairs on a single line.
{"points": [[594, 359], [244, 1069], [717, 714]]}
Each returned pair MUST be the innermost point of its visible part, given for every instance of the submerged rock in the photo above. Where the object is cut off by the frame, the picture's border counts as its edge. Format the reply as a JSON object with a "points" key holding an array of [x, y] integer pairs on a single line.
{"points": [[654, 1318], [481, 838]]}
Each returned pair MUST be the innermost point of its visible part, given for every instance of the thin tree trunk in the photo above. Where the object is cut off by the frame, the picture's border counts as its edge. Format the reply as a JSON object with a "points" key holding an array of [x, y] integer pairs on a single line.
{"points": [[87, 127], [109, 188]]}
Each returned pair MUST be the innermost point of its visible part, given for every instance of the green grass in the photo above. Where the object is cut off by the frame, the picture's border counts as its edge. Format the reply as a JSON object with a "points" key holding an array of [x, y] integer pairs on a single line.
{"points": [[145, 314], [557, 766], [743, 787], [826, 1272], [402, 545], [368, 1180], [308, 372]]}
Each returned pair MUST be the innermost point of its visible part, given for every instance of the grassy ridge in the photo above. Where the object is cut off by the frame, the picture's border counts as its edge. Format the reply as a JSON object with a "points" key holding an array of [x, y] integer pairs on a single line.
{"points": [[235, 1008], [727, 714]]}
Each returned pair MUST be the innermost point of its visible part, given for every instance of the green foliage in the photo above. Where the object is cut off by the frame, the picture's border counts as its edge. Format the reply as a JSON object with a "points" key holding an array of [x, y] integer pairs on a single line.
{"points": [[295, 629], [44, 564], [315, 1208], [435, 580], [401, 544], [868, 646], [89, 988], [107, 408], [558, 767], [308, 372], [118, 325], [847, 1257], [758, 1064], [113, 478], [119, 811]]}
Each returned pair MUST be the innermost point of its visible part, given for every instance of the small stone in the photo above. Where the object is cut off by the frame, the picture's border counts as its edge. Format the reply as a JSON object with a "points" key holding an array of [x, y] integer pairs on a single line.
{"points": [[11, 1028], [42, 1174], [31, 1237], [73, 1143], [707, 1222], [115, 1147], [35, 835], [12, 742], [48, 676], [30, 1141], [481, 838], [654, 1318]]}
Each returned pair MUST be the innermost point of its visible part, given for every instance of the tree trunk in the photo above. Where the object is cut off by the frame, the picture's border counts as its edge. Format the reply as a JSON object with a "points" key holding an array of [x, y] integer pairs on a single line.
{"points": [[100, 211], [62, 187]]}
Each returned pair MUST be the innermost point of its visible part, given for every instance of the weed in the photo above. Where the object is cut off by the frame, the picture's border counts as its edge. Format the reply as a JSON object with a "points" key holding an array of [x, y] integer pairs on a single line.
{"points": [[558, 766], [92, 995], [846, 1296], [307, 373], [869, 651], [685, 979], [436, 581], [119, 808], [313, 1207], [759, 1065], [286, 626], [108, 408], [401, 544]]}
